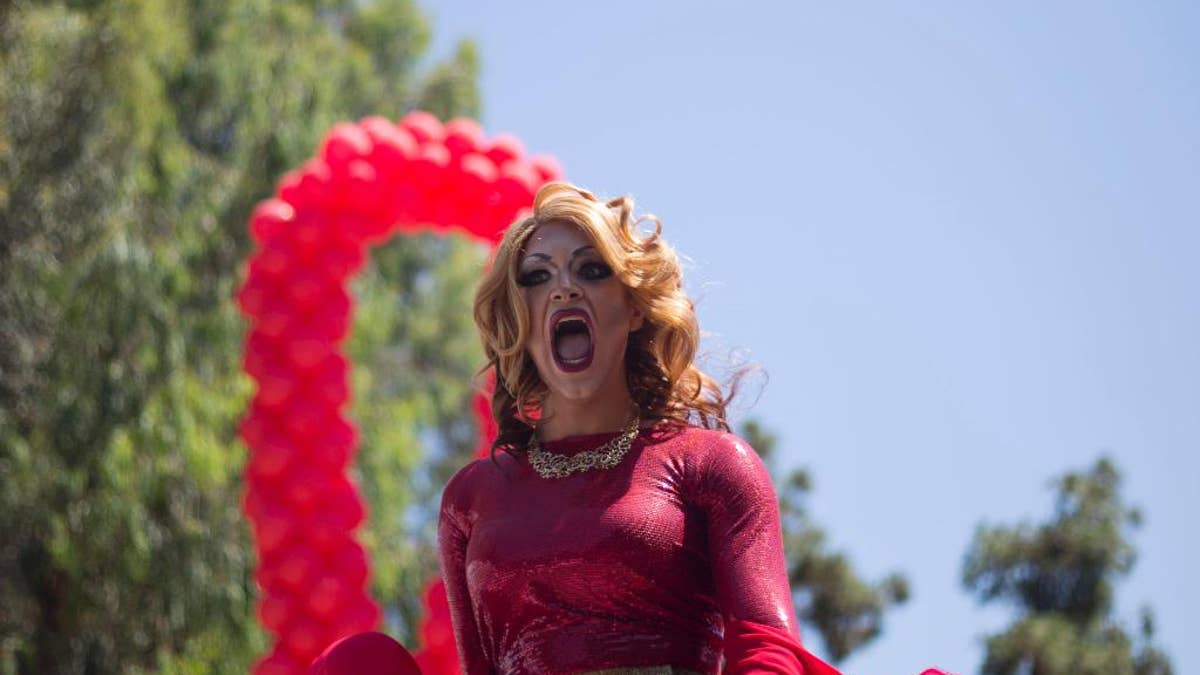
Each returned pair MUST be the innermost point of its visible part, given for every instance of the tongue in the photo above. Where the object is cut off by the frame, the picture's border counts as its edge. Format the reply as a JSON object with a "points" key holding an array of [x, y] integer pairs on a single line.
{"points": [[573, 346]]}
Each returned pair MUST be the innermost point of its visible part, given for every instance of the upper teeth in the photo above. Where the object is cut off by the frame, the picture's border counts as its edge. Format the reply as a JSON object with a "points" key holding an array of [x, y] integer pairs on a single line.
{"points": [[567, 319]]}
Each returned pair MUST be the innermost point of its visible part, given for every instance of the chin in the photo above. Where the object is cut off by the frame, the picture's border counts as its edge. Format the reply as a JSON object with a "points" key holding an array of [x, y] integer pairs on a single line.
{"points": [[575, 391], [594, 383]]}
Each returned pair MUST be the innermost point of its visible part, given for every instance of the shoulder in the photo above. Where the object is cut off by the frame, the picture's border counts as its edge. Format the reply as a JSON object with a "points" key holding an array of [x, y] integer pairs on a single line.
{"points": [[729, 477], [467, 483], [715, 456], [715, 446]]}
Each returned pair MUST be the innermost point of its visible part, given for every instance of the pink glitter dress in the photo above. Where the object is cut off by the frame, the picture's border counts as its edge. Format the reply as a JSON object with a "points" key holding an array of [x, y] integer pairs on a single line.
{"points": [[672, 558]]}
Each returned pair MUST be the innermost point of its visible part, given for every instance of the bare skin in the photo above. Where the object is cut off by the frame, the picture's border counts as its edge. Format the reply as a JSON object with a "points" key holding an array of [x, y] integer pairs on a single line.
{"points": [[588, 394]]}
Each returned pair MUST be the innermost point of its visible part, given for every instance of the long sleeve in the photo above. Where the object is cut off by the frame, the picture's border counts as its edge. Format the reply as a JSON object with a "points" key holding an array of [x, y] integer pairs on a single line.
{"points": [[453, 533], [746, 548]]}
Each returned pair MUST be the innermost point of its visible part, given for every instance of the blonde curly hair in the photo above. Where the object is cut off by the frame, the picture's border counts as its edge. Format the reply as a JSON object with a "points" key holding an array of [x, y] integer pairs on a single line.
{"points": [[661, 373]]}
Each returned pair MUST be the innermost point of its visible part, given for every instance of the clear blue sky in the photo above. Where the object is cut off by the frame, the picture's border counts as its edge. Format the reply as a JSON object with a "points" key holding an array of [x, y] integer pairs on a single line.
{"points": [[961, 238]]}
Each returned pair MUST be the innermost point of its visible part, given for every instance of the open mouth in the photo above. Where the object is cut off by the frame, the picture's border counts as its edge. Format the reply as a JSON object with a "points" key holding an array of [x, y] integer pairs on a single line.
{"points": [[571, 340]]}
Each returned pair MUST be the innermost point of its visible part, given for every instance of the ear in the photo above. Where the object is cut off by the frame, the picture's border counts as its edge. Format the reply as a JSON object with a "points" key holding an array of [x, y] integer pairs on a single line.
{"points": [[636, 318]]}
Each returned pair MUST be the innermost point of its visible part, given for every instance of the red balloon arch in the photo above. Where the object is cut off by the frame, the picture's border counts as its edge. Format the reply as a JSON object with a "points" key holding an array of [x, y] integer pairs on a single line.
{"points": [[369, 181]]}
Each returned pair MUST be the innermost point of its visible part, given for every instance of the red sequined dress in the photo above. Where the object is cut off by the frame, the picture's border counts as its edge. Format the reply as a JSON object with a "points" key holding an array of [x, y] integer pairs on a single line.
{"points": [[672, 558]]}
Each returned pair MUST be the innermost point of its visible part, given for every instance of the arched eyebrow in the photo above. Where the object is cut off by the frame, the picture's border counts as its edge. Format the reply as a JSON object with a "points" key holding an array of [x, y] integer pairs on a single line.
{"points": [[576, 252]]}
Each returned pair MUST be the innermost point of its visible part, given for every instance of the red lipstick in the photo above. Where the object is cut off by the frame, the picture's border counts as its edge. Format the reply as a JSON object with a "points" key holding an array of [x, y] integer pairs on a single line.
{"points": [[571, 339]]}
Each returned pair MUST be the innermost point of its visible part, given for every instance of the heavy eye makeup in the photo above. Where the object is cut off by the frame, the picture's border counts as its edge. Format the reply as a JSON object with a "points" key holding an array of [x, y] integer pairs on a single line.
{"points": [[594, 270], [588, 270], [532, 277]]}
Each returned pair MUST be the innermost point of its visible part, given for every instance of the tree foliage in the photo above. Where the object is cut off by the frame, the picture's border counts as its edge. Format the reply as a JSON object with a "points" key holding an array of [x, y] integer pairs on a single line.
{"points": [[1060, 576], [829, 594], [135, 137]]}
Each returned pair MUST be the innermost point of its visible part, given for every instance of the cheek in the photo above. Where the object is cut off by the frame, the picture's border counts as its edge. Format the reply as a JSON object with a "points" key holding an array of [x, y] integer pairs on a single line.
{"points": [[615, 319], [534, 302]]}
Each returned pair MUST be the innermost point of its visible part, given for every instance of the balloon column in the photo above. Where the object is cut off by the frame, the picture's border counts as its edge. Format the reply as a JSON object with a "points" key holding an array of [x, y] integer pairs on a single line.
{"points": [[369, 181]]}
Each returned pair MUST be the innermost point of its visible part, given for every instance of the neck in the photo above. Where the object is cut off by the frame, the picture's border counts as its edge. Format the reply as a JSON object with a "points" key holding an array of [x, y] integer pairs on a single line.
{"points": [[566, 417]]}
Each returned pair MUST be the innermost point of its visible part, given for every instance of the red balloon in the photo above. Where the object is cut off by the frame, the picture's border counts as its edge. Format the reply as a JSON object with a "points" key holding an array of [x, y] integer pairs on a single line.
{"points": [[305, 289], [377, 230], [327, 596], [275, 386], [423, 126], [253, 428], [361, 615], [308, 348], [434, 598], [275, 316], [271, 457], [254, 294], [303, 638], [518, 182], [376, 126], [274, 609], [364, 192], [266, 576], [304, 419], [394, 148], [346, 504], [316, 184], [547, 167], [272, 528], [463, 135], [504, 148], [253, 503], [345, 143], [305, 486], [329, 385], [256, 358], [270, 217], [486, 423], [275, 258], [289, 189], [325, 531], [279, 662], [436, 630], [308, 235], [429, 167], [331, 320], [405, 200], [298, 564], [340, 259], [349, 560], [336, 446], [478, 173]]}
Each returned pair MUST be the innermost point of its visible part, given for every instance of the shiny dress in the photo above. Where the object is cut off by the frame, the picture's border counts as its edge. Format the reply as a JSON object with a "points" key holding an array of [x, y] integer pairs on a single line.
{"points": [[672, 558]]}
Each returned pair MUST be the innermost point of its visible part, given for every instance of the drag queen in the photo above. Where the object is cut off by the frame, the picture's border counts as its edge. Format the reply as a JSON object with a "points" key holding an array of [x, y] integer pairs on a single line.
{"points": [[618, 527]]}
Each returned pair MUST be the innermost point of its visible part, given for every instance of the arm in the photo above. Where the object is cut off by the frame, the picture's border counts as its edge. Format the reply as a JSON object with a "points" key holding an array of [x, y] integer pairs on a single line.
{"points": [[453, 534], [746, 549]]}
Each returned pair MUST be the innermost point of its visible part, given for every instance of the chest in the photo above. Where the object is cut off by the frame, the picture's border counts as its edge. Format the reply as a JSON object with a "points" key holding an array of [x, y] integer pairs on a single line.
{"points": [[636, 517]]}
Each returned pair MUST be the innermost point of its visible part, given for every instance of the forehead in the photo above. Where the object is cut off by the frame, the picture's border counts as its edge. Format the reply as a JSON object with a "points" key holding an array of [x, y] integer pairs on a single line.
{"points": [[556, 238]]}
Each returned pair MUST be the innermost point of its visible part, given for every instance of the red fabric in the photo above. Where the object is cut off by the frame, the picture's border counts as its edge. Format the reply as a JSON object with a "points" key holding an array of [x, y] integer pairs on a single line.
{"points": [[657, 561], [756, 649], [365, 654]]}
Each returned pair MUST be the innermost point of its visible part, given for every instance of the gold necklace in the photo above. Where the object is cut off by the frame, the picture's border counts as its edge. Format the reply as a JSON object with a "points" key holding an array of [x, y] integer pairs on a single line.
{"points": [[552, 465]]}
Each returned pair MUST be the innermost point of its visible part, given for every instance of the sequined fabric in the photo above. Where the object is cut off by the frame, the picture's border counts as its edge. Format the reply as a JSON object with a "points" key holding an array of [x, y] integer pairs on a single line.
{"points": [[636, 566], [651, 670]]}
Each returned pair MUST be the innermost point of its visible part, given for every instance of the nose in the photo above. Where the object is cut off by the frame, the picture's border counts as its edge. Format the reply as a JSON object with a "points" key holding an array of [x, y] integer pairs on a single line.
{"points": [[565, 290]]}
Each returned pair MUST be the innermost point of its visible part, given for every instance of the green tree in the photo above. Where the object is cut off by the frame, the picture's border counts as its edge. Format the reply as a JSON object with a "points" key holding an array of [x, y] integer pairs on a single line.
{"points": [[845, 609], [135, 138], [1060, 577]]}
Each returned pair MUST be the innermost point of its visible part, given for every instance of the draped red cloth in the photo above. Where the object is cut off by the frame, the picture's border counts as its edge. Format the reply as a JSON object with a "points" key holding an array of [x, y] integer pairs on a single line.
{"points": [[365, 654], [757, 649]]}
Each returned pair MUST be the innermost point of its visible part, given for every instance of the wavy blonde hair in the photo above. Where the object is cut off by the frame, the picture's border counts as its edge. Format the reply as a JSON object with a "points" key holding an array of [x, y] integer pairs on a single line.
{"points": [[661, 373]]}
